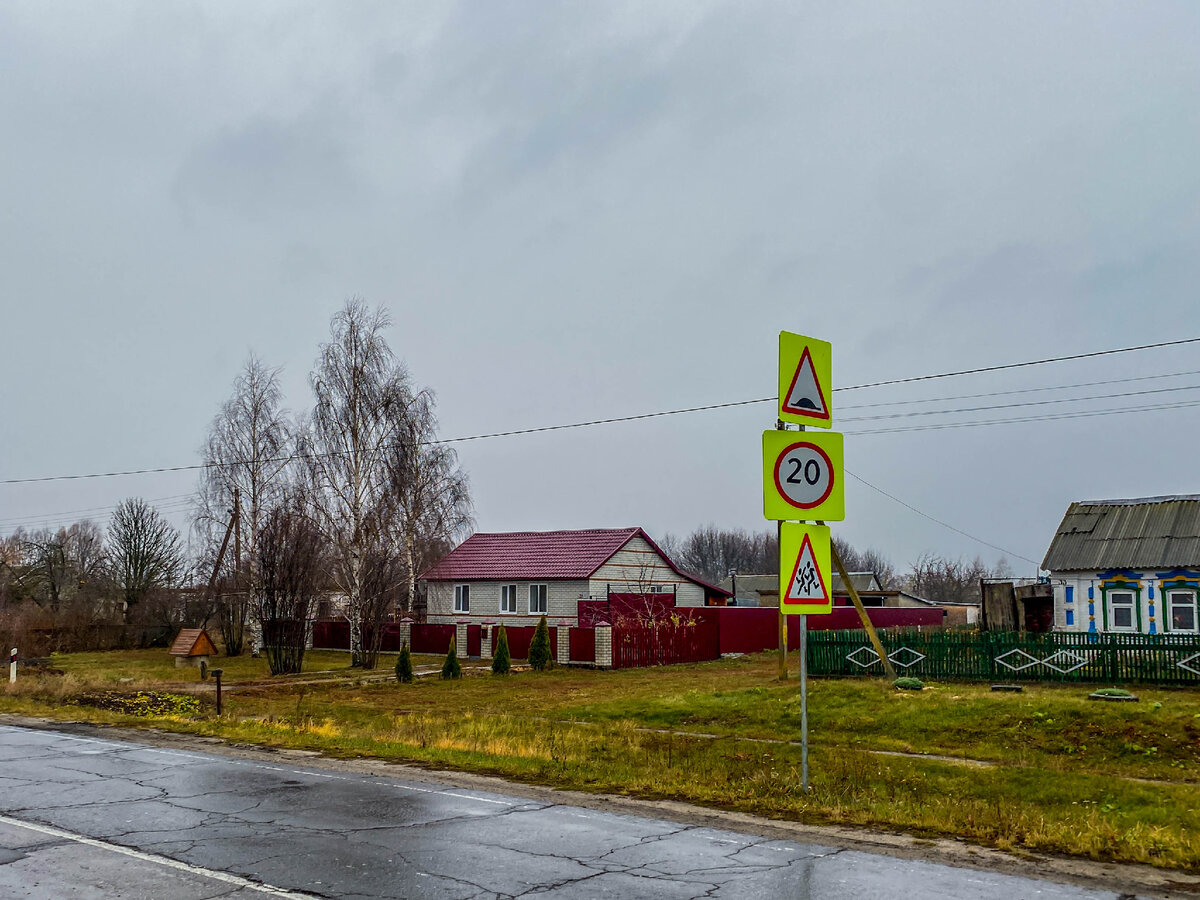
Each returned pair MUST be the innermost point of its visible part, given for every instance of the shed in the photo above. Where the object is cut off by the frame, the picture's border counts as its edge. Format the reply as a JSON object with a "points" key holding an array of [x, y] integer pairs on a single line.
{"points": [[191, 647]]}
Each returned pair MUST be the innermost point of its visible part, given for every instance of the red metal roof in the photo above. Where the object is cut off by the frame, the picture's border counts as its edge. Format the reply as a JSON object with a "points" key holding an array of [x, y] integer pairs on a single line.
{"points": [[523, 555], [535, 555]]}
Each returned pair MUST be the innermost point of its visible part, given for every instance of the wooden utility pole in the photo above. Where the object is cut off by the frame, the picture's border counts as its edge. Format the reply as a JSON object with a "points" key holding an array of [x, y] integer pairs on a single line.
{"points": [[211, 590], [868, 625], [237, 538]]}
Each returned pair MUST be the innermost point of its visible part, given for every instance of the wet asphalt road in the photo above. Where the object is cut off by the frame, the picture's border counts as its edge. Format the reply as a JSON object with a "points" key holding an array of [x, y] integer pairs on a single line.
{"points": [[96, 818]]}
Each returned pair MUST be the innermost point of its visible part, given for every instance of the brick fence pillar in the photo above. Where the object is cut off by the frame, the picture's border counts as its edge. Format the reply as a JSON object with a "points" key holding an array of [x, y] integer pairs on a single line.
{"points": [[406, 625], [604, 654], [460, 640], [485, 639], [562, 654]]}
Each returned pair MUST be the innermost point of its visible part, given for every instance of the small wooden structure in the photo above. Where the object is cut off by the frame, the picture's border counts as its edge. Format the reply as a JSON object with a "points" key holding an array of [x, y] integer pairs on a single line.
{"points": [[192, 646]]}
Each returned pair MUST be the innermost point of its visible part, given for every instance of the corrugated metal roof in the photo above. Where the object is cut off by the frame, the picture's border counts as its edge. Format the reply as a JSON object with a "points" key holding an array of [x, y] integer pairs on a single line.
{"points": [[543, 555], [1146, 533]]}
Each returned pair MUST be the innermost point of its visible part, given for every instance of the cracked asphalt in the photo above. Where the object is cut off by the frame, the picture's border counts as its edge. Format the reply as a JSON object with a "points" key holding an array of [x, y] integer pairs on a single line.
{"points": [[86, 817]]}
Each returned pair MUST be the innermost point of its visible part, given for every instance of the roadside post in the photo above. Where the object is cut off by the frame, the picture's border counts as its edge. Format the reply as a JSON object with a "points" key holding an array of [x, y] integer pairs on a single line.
{"points": [[802, 484], [216, 673], [12, 666]]}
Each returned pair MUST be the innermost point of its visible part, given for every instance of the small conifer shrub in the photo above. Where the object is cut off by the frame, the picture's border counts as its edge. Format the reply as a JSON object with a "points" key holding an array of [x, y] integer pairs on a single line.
{"points": [[451, 668], [404, 666], [501, 662], [908, 683], [539, 648]]}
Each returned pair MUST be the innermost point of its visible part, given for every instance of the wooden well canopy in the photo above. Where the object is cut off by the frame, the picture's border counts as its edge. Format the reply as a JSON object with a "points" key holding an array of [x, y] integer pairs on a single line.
{"points": [[193, 642]]}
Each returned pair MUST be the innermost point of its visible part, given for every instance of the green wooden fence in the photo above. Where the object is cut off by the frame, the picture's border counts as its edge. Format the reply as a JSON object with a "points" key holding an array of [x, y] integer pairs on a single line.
{"points": [[983, 656]]}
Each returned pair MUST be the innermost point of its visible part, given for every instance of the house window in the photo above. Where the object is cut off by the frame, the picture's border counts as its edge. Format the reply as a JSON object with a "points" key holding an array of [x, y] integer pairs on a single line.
{"points": [[1120, 611], [508, 598], [537, 598], [462, 598], [1181, 610]]}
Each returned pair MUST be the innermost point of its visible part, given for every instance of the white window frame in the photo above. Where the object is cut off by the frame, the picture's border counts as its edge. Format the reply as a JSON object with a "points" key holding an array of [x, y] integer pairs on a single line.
{"points": [[1131, 606], [508, 598], [462, 598], [537, 599], [1191, 601]]}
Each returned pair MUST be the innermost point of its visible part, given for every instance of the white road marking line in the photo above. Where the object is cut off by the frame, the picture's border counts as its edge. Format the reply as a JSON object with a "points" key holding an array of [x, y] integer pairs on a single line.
{"points": [[236, 880]]}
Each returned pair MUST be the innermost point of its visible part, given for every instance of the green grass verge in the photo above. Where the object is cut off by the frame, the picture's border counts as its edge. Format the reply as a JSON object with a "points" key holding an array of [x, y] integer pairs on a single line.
{"points": [[1064, 776]]}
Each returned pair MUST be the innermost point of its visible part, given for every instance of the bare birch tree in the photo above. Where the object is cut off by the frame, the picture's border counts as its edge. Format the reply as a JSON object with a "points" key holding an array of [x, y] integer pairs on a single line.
{"points": [[360, 390], [247, 450], [428, 497]]}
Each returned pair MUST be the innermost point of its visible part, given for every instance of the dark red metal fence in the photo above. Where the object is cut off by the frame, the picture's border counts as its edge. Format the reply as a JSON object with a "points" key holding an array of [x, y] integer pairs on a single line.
{"points": [[754, 629], [665, 644], [331, 635], [583, 644], [429, 638], [519, 639]]}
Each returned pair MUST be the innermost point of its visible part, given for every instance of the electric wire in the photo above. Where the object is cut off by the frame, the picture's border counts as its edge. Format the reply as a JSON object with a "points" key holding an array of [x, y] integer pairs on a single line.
{"points": [[926, 515], [194, 467]]}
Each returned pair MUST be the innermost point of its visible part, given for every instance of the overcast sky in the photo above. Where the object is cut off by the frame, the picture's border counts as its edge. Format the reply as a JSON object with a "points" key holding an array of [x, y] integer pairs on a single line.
{"points": [[582, 210]]}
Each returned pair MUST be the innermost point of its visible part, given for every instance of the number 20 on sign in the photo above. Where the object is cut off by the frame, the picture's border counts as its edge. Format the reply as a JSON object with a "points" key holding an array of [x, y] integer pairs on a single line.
{"points": [[802, 476]]}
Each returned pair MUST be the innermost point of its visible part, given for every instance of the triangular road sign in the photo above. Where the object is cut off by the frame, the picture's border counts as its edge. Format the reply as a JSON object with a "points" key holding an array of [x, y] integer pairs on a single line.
{"points": [[807, 584], [805, 373], [804, 396]]}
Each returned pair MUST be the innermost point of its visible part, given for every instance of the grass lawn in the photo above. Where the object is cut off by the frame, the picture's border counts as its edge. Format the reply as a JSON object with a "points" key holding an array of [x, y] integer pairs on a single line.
{"points": [[1110, 781]]}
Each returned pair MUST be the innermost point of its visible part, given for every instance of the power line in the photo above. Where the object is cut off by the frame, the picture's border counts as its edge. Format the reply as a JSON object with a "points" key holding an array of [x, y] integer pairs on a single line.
{"points": [[926, 515], [1022, 405], [1188, 404], [633, 418], [1034, 390], [1022, 365]]}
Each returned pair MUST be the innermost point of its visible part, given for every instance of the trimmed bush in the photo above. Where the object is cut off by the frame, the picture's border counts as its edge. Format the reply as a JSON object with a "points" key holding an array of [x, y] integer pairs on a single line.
{"points": [[404, 666], [501, 662], [908, 683], [539, 648], [451, 668]]}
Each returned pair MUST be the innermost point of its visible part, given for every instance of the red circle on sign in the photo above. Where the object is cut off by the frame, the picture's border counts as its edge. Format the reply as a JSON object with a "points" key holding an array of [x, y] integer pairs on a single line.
{"points": [[828, 463]]}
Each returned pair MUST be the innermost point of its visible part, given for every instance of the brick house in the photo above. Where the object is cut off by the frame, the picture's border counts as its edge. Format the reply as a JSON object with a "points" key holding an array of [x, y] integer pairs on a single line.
{"points": [[517, 577]]}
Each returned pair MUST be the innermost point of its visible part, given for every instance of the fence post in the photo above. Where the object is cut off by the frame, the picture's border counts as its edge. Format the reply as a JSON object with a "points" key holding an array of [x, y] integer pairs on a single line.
{"points": [[406, 632], [485, 639], [563, 656], [604, 646], [12, 667], [460, 640]]}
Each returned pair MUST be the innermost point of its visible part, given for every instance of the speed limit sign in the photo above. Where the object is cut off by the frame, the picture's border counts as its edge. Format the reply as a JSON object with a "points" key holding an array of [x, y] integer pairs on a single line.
{"points": [[802, 476]]}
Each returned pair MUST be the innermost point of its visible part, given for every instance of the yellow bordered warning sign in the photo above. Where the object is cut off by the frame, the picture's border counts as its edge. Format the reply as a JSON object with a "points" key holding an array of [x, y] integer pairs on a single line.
{"points": [[805, 579], [802, 476], [805, 380]]}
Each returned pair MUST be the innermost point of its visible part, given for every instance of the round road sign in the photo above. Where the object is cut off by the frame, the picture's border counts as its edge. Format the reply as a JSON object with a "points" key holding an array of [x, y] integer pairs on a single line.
{"points": [[804, 475]]}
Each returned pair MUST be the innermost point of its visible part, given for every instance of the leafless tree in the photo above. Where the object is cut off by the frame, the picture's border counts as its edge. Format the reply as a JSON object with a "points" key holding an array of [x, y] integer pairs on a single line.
{"points": [[291, 563], [869, 560], [247, 453], [361, 392], [427, 498], [711, 552], [145, 553], [947, 580]]}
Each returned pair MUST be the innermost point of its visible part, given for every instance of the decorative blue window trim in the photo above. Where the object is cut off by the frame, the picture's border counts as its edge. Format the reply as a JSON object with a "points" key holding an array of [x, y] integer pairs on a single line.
{"points": [[1091, 592], [1150, 591], [1179, 573], [1124, 574], [1070, 617], [1070, 593]]}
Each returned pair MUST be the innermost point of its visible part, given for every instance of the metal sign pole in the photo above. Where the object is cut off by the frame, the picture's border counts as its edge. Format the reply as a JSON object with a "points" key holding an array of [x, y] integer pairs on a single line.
{"points": [[804, 703]]}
